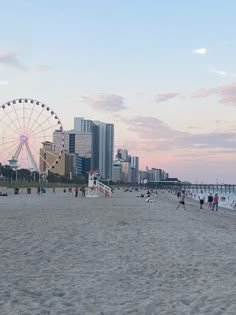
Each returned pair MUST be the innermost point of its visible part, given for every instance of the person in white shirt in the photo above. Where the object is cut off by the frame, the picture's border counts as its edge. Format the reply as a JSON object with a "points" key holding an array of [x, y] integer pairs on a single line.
{"points": [[201, 198]]}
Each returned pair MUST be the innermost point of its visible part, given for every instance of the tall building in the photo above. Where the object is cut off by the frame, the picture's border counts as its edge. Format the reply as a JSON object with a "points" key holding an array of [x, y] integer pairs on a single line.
{"points": [[102, 144], [84, 125], [125, 172], [134, 163], [58, 139], [117, 172], [122, 154], [157, 174], [78, 142]]}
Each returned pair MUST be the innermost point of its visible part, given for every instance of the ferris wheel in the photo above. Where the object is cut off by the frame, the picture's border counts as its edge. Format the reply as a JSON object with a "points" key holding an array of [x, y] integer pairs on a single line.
{"points": [[31, 135]]}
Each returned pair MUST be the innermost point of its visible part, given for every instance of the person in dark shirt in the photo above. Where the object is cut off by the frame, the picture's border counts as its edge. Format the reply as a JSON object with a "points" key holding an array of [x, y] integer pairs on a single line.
{"points": [[182, 200], [209, 201]]}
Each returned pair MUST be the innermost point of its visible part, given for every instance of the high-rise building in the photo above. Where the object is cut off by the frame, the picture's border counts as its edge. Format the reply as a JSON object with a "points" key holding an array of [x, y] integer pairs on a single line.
{"points": [[85, 125], [106, 148], [125, 172], [134, 163], [117, 172], [102, 144], [78, 142], [156, 174], [122, 154], [58, 139]]}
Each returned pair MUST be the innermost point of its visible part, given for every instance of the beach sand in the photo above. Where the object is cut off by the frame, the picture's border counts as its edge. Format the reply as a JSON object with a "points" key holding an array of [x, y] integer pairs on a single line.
{"points": [[119, 255]]}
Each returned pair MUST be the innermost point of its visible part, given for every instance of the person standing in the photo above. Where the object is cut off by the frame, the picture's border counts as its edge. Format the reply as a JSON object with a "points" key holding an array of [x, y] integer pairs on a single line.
{"points": [[215, 202], [82, 189], [210, 200], [201, 198], [76, 192], [182, 200]]}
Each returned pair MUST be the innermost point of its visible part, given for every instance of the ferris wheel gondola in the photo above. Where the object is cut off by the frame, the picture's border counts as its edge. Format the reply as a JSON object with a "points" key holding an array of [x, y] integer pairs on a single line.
{"points": [[26, 135]]}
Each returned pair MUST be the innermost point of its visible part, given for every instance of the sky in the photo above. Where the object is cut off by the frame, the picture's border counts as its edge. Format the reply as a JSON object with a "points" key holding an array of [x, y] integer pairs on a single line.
{"points": [[163, 72]]}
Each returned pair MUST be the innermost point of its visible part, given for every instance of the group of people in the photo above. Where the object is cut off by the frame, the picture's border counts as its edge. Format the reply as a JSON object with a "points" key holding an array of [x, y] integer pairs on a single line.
{"points": [[212, 201], [82, 189]]}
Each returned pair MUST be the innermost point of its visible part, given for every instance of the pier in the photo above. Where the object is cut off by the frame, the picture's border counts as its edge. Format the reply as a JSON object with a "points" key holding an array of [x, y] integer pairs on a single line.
{"points": [[177, 185]]}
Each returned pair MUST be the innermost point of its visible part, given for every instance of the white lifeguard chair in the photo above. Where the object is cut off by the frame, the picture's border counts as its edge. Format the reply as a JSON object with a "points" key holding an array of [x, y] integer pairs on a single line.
{"points": [[95, 186], [92, 190]]}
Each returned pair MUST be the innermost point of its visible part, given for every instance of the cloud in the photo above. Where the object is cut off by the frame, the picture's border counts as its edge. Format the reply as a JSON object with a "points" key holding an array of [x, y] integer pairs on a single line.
{"points": [[222, 73], [219, 72], [105, 102], [154, 135], [165, 97], [182, 154], [227, 93], [3, 83], [200, 51], [11, 59]]}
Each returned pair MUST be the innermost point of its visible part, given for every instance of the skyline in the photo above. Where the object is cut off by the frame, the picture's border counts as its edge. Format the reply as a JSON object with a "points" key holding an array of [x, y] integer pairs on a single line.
{"points": [[162, 73]]}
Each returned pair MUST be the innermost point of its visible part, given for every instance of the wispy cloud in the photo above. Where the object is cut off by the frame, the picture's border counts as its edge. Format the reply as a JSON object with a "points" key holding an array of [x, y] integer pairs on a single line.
{"points": [[222, 73], [165, 97], [227, 93], [155, 135], [105, 102], [11, 59], [200, 51]]}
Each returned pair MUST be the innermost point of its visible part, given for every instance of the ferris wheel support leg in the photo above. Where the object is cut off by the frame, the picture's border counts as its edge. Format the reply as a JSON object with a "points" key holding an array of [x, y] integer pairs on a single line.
{"points": [[31, 157], [18, 150]]}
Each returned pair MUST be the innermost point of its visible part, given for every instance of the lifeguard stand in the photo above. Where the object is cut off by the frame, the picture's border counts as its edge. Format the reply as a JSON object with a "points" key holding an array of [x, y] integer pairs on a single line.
{"points": [[92, 190], [95, 186]]}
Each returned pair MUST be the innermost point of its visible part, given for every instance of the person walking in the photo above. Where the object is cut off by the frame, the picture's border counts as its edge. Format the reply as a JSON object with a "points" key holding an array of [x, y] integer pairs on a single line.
{"points": [[209, 201], [201, 198], [182, 200], [215, 202], [148, 198]]}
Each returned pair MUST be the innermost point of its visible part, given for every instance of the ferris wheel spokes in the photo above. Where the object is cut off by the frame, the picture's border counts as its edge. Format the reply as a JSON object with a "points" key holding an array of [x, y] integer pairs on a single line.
{"points": [[40, 156], [50, 152], [27, 126], [36, 120], [17, 117], [53, 126], [31, 113], [7, 125], [12, 122], [5, 149]]}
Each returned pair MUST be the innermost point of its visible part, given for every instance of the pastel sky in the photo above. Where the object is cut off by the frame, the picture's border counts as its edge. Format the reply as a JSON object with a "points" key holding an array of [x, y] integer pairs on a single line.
{"points": [[163, 72]]}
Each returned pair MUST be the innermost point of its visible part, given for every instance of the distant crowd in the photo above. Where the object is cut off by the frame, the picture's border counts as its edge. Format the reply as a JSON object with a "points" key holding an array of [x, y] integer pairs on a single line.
{"points": [[212, 200]]}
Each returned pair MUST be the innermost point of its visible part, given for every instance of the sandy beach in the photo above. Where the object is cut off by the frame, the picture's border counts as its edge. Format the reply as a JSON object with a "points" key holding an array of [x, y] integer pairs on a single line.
{"points": [[115, 256]]}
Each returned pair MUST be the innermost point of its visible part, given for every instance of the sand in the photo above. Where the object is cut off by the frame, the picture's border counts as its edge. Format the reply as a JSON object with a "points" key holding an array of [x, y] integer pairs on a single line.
{"points": [[120, 255]]}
